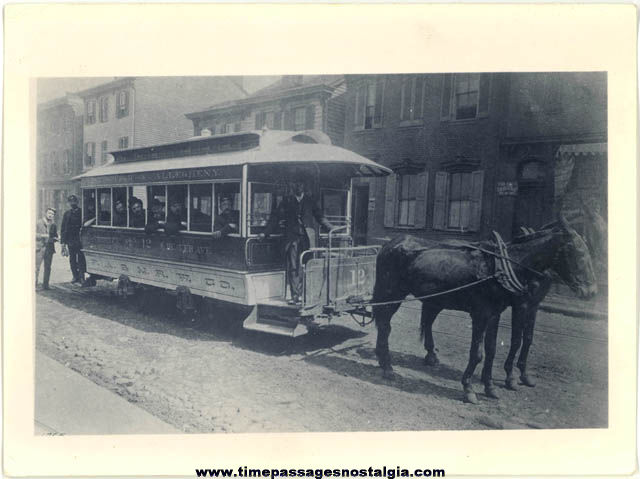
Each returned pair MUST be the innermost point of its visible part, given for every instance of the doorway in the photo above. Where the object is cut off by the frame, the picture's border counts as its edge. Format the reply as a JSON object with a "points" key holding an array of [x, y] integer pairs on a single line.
{"points": [[360, 208]]}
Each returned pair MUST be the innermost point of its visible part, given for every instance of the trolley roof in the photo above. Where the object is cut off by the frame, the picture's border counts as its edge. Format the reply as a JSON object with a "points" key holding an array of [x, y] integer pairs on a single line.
{"points": [[251, 148]]}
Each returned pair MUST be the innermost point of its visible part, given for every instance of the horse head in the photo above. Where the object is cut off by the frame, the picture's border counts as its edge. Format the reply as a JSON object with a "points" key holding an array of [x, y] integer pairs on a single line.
{"points": [[573, 262]]}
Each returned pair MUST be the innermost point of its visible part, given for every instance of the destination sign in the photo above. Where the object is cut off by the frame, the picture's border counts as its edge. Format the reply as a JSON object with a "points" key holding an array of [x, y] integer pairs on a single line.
{"points": [[184, 174]]}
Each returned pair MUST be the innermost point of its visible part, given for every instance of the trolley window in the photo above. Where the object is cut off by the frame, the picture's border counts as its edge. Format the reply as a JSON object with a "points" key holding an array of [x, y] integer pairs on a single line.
{"points": [[200, 207], [157, 202], [88, 206], [137, 206], [119, 214], [227, 207], [177, 212], [334, 207], [104, 206], [264, 198]]}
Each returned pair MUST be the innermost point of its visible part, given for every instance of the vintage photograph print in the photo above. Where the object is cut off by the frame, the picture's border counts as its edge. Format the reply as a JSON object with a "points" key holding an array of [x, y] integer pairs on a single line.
{"points": [[321, 253]]}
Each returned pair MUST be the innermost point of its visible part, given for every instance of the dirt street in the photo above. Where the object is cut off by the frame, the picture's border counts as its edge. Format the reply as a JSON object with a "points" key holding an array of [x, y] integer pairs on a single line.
{"points": [[208, 376]]}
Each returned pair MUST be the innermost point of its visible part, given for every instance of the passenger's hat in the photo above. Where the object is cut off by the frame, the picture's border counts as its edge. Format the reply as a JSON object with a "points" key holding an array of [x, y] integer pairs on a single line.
{"points": [[71, 198]]}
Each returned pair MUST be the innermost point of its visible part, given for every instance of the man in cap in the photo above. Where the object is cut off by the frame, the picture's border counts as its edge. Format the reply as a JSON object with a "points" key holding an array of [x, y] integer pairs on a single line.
{"points": [[46, 236], [298, 211], [136, 218], [227, 221], [70, 239]]}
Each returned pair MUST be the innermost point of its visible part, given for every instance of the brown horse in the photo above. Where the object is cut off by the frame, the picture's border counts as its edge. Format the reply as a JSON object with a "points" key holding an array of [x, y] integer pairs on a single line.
{"points": [[409, 265]]}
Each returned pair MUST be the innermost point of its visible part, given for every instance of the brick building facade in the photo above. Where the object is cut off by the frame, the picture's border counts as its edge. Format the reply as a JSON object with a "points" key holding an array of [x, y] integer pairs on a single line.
{"points": [[58, 151], [142, 111], [295, 102], [474, 153]]}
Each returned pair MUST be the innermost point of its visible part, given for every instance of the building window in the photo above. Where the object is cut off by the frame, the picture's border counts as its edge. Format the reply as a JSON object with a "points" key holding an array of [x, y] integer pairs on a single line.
{"points": [[299, 119], [465, 96], [104, 109], [412, 98], [369, 102], [89, 154], [406, 199], [237, 127], [91, 112], [458, 200], [68, 162], [104, 147], [123, 142], [56, 170], [123, 104]]}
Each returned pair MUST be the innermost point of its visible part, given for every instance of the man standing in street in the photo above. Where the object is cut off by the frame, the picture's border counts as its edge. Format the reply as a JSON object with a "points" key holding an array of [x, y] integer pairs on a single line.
{"points": [[70, 239], [46, 236], [298, 211]]}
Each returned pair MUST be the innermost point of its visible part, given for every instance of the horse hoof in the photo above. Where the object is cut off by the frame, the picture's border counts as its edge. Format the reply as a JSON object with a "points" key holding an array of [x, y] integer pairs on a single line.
{"points": [[388, 374], [527, 381], [511, 384], [491, 392], [431, 360], [470, 397]]}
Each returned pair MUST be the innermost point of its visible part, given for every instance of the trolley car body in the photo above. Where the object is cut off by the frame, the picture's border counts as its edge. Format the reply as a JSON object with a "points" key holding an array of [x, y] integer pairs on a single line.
{"points": [[253, 170]]}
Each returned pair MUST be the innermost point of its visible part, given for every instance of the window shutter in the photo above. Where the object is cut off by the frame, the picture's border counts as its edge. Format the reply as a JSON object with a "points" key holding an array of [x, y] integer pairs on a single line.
{"points": [[445, 113], [126, 103], [277, 120], [259, 121], [440, 201], [483, 96], [310, 117], [377, 115], [420, 220], [477, 180], [390, 201], [361, 105]]}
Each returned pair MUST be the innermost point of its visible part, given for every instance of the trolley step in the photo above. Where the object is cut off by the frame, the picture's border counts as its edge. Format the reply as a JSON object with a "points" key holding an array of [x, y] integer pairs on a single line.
{"points": [[276, 318]]}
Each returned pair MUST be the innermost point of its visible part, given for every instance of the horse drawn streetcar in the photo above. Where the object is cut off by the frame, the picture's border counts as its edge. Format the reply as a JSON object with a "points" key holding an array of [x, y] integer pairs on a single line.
{"points": [[189, 217]]}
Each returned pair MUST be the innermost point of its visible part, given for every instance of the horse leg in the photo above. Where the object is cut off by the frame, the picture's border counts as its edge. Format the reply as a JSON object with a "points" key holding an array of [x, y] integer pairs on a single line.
{"points": [[530, 322], [429, 315], [517, 319], [490, 353], [382, 315], [475, 356]]}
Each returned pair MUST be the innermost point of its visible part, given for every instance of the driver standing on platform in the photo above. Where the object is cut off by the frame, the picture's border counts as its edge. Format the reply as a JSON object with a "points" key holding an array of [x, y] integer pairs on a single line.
{"points": [[298, 211]]}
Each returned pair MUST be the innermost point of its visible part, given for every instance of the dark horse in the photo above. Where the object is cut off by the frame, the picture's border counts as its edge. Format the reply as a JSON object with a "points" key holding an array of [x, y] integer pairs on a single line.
{"points": [[409, 265]]}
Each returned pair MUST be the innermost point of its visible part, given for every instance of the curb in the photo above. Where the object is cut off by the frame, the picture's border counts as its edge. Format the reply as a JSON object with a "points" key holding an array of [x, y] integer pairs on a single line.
{"points": [[574, 312]]}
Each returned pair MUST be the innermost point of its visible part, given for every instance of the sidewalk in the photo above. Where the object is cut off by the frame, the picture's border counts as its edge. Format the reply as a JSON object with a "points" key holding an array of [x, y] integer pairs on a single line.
{"points": [[595, 309], [67, 403]]}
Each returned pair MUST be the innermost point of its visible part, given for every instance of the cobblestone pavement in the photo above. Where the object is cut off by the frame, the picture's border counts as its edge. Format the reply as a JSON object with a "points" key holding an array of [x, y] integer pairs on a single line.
{"points": [[210, 376]]}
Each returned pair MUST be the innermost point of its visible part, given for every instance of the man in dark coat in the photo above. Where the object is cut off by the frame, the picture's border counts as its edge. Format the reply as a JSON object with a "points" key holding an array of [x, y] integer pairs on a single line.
{"points": [[298, 211], [46, 237], [227, 221], [136, 218], [70, 239]]}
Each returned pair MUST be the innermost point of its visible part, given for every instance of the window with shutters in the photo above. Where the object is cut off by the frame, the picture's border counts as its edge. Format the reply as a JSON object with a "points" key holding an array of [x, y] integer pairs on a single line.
{"points": [[123, 104], [406, 199], [89, 154], [68, 162], [412, 98], [123, 142], [299, 119], [465, 96], [104, 109], [90, 112], [104, 146], [458, 200], [368, 104]]}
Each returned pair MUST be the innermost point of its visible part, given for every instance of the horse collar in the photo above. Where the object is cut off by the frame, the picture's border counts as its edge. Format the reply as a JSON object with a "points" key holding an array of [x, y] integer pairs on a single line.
{"points": [[504, 272]]}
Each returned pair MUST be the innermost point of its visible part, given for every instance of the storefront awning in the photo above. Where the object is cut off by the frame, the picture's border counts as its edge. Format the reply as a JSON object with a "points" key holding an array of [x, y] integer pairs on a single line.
{"points": [[582, 149]]}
